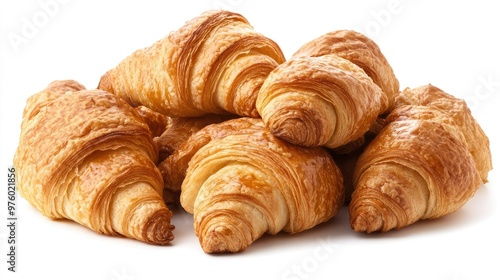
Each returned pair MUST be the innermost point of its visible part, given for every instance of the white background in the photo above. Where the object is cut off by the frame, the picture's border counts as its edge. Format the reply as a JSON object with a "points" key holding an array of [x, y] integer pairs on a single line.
{"points": [[452, 44]]}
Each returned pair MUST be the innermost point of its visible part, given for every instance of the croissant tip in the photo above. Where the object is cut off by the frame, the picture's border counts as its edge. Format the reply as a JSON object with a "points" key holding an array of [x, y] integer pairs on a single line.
{"points": [[361, 224], [158, 231], [287, 129], [216, 241], [369, 221]]}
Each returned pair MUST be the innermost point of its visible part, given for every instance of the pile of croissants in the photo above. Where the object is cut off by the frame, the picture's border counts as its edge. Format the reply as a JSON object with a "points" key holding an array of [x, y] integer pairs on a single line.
{"points": [[214, 118]]}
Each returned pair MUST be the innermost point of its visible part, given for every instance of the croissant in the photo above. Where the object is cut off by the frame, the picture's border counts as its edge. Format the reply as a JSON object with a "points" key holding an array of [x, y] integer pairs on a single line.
{"points": [[361, 51], [420, 166], [87, 156], [242, 182], [215, 63], [320, 101]]}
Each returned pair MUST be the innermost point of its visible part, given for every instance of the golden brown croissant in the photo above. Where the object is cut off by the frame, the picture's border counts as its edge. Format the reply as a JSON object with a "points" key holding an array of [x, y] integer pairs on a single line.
{"points": [[215, 63], [320, 101], [242, 182], [361, 51], [87, 156], [419, 166]]}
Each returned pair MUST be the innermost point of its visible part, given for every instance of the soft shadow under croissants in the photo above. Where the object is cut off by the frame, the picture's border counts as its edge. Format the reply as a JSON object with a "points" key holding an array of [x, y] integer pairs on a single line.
{"points": [[213, 118]]}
